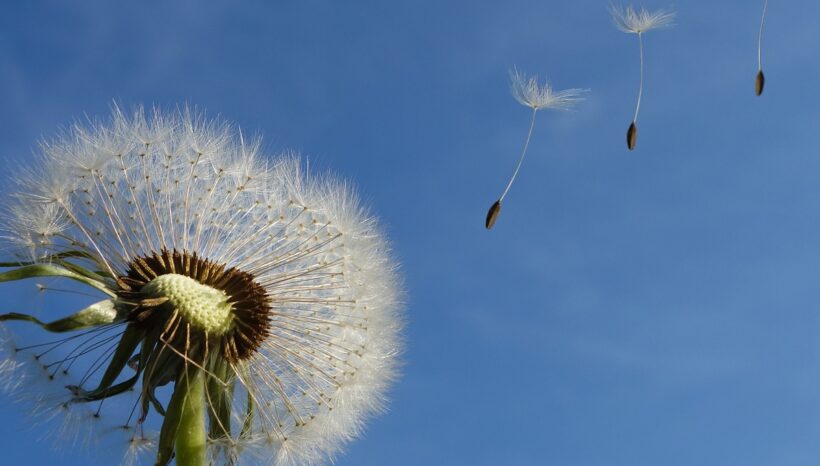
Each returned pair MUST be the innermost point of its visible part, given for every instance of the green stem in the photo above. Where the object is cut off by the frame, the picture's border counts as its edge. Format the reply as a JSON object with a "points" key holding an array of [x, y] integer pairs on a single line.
{"points": [[191, 447]]}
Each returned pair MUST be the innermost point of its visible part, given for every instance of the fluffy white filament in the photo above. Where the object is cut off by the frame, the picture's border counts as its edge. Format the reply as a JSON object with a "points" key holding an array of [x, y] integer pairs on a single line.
{"points": [[639, 21], [529, 93]]}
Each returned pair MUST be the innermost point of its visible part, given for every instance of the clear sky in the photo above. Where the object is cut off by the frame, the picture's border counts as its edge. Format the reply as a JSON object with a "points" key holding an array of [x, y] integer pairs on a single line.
{"points": [[653, 307]]}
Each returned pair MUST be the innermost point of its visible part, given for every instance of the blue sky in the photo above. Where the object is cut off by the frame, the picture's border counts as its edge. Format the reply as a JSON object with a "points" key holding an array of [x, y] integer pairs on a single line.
{"points": [[629, 308]]}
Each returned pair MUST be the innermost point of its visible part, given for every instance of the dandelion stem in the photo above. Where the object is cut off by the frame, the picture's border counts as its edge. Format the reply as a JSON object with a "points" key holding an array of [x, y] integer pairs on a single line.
{"points": [[190, 439], [521, 158], [640, 86], [760, 37]]}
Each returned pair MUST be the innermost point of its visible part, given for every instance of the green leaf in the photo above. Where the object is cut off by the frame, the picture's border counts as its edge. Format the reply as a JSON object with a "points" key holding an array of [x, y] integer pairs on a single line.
{"points": [[101, 393], [97, 276], [48, 270], [162, 366], [51, 258], [247, 424], [100, 313], [125, 348], [170, 427], [220, 397]]}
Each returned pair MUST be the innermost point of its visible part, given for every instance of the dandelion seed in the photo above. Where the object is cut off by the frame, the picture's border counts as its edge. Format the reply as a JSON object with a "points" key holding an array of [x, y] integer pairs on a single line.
{"points": [[638, 22], [632, 135], [492, 214], [760, 80], [264, 297], [529, 93]]}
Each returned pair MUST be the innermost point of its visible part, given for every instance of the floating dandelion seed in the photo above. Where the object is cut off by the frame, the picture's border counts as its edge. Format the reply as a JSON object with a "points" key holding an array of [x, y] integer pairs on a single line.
{"points": [[266, 298], [638, 22], [760, 80], [529, 93]]}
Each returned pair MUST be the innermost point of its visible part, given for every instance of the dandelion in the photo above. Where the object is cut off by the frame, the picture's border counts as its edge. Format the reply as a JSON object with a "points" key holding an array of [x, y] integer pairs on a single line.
{"points": [[760, 80], [529, 93], [249, 311], [638, 22]]}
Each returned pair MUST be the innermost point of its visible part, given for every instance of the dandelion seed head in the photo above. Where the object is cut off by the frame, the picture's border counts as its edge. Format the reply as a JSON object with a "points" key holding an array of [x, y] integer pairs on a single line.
{"points": [[529, 93], [639, 21], [277, 284]]}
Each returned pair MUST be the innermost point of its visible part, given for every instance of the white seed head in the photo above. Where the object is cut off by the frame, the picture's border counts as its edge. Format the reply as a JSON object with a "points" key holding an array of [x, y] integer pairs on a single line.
{"points": [[139, 184], [639, 21], [528, 92]]}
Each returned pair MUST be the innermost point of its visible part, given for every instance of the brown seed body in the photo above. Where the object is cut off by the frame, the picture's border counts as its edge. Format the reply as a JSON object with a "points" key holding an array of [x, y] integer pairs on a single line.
{"points": [[760, 80], [492, 214], [632, 136]]}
